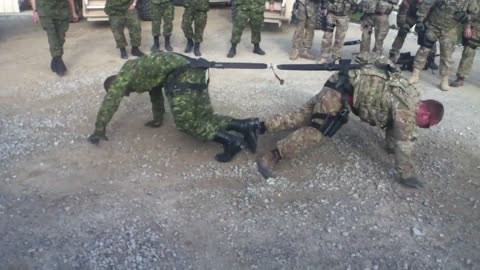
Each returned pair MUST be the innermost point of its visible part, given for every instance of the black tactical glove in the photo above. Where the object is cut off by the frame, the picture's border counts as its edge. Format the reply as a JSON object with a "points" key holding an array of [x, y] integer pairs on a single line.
{"points": [[411, 182], [461, 16], [420, 27], [154, 123], [96, 137]]}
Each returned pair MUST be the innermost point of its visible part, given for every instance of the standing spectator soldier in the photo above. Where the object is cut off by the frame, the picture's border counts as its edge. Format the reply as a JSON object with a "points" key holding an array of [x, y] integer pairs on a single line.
{"points": [[122, 13], [248, 11], [54, 16], [304, 32], [338, 14], [162, 10], [471, 41], [438, 20], [195, 13], [376, 13]]}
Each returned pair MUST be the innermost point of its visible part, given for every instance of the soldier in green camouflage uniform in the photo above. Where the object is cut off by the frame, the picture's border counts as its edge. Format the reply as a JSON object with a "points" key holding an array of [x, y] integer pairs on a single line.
{"points": [[162, 10], [377, 96], [195, 13], [471, 41], [438, 20], [54, 16], [338, 16], [376, 13], [186, 89], [303, 36], [247, 12], [122, 13]]}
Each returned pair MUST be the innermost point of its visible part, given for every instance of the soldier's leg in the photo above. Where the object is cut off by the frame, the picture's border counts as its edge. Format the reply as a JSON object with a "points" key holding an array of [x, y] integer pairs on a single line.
{"points": [[54, 40], [168, 16], [256, 25], [466, 63], [447, 46], [327, 39], [187, 21], [299, 33], [158, 107], [200, 24], [239, 23], [117, 23], [402, 33], [367, 28], [134, 28], [381, 30], [342, 28], [156, 13], [422, 54], [311, 11]]}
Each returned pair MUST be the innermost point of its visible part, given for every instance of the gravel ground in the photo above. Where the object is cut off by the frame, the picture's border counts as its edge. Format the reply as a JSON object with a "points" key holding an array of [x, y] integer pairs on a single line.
{"points": [[155, 199]]}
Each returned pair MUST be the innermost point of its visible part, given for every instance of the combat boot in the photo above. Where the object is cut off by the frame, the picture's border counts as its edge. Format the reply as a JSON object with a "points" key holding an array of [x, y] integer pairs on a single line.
{"points": [[231, 145], [257, 49], [196, 49], [168, 46], [393, 57], [322, 60], [433, 66], [307, 55], [459, 81], [156, 44], [60, 67], [123, 53], [415, 76], [136, 52], [53, 64], [266, 163], [444, 86], [248, 127], [294, 54], [233, 51], [189, 47]]}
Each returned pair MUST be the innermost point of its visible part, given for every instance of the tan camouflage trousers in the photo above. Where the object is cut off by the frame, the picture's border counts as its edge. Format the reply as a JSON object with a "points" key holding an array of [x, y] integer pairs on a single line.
{"points": [[402, 34], [341, 26], [447, 41], [304, 136], [381, 25], [305, 30], [465, 66]]}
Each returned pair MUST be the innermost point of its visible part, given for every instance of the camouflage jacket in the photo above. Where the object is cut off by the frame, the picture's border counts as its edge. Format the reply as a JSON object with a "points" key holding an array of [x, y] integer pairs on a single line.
{"points": [[440, 13], [389, 101], [339, 7], [252, 5], [58, 9], [117, 7], [201, 5], [142, 75]]}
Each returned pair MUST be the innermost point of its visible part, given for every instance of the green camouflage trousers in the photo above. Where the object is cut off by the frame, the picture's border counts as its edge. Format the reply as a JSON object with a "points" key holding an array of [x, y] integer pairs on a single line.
{"points": [[196, 17], [131, 21], [402, 34], [193, 113], [341, 26], [447, 40], [303, 35], [240, 21], [381, 25], [56, 30], [164, 11], [465, 66]]}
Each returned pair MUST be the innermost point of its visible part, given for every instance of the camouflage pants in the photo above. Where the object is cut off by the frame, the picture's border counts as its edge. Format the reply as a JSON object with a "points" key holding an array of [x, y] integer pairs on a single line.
{"points": [[402, 34], [193, 114], [303, 35], [164, 11], [56, 30], [381, 25], [468, 54], [241, 20], [199, 19], [447, 40], [131, 21], [341, 25], [304, 137]]}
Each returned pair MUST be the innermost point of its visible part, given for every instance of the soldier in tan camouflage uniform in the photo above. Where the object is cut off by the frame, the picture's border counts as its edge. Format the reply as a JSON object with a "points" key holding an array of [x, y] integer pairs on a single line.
{"points": [[377, 96], [471, 41], [303, 36], [375, 17], [438, 20], [338, 16]]}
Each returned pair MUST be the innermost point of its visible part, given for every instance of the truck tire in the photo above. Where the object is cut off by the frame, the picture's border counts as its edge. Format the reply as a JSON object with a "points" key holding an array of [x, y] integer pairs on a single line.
{"points": [[144, 8]]}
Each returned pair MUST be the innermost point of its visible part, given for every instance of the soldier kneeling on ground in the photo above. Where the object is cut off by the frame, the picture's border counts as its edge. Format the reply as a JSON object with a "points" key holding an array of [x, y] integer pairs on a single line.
{"points": [[186, 89], [378, 94]]}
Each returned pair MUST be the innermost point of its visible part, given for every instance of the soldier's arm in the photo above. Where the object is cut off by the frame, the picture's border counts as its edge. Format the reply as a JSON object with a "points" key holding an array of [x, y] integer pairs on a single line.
{"points": [[72, 8], [109, 106], [403, 135], [424, 9]]}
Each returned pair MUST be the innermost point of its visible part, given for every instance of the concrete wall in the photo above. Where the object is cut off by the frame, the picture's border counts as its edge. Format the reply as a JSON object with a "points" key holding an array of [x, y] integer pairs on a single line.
{"points": [[9, 6]]}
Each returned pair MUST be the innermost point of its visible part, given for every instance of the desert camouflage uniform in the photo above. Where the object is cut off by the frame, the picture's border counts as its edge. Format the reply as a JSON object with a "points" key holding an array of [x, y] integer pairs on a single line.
{"points": [[305, 29], [406, 19], [248, 11], [119, 17], [441, 26], [195, 13], [380, 98], [190, 105], [469, 49], [338, 17], [162, 10], [376, 13], [55, 19]]}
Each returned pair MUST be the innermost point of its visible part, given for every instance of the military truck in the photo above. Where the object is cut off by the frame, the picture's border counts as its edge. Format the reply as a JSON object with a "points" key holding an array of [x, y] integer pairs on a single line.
{"points": [[282, 12]]}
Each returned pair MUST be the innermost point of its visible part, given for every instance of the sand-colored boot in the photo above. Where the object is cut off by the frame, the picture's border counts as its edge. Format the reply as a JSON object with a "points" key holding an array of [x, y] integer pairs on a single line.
{"points": [[294, 54], [306, 54], [415, 76], [322, 60], [458, 82], [444, 85]]}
